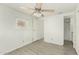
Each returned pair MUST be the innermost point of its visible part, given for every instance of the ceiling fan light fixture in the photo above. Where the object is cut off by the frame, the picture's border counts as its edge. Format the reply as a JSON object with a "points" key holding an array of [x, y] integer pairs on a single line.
{"points": [[37, 14]]}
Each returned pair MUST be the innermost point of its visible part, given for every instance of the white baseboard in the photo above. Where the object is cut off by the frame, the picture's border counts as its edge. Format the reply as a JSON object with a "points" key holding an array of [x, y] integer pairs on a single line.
{"points": [[15, 48], [54, 42], [77, 51]]}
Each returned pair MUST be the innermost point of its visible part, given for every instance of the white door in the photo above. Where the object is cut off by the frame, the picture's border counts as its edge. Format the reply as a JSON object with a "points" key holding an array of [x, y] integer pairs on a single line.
{"points": [[54, 29]]}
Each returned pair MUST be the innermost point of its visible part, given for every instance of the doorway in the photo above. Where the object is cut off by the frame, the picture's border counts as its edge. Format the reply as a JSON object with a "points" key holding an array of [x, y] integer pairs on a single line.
{"points": [[68, 34]]}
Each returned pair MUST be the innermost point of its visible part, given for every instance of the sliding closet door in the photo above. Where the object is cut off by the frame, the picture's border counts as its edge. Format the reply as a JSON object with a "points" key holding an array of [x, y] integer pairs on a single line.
{"points": [[54, 29]]}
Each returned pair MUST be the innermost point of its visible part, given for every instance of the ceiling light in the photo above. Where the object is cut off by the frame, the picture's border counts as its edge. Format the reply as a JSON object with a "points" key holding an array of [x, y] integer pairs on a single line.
{"points": [[37, 14]]}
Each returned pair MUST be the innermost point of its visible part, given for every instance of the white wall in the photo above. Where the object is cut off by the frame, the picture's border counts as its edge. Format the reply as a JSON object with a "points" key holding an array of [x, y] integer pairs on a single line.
{"points": [[76, 41], [73, 28], [38, 29], [13, 37], [54, 29], [10, 36]]}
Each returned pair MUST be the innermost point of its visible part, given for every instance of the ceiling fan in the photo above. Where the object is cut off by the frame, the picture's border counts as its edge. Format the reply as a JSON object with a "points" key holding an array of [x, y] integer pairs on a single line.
{"points": [[38, 11]]}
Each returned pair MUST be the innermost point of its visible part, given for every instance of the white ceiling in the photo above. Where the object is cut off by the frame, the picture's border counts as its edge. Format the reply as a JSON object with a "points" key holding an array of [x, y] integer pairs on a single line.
{"points": [[58, 7]]}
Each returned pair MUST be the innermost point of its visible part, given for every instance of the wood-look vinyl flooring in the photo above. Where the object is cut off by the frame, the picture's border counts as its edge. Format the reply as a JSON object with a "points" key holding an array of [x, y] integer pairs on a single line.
{"points": [[42, 48]]}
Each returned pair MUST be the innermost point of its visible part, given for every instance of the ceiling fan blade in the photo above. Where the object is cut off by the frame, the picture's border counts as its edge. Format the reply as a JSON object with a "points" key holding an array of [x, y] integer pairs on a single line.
{"points": [[31, 8], [25, 8], [38, 5], [48, 13], [47, 10]]}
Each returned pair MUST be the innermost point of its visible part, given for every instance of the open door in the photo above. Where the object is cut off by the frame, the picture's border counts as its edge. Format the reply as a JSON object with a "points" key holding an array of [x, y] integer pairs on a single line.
{"points": [[67, 30]]}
